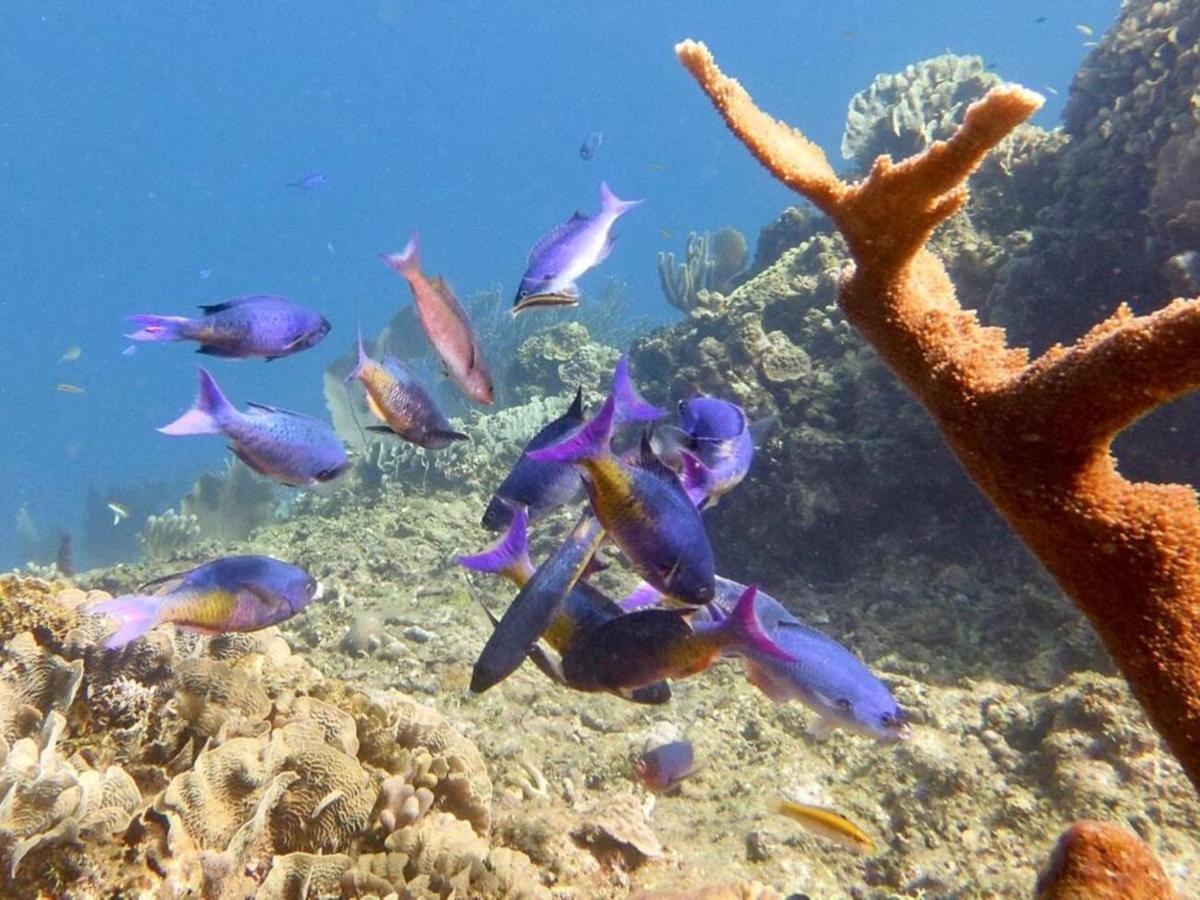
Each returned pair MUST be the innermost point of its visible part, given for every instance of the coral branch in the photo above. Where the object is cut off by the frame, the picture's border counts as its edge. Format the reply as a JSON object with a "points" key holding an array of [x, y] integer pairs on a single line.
{"points": [[1098, 861], [1034, 436]]}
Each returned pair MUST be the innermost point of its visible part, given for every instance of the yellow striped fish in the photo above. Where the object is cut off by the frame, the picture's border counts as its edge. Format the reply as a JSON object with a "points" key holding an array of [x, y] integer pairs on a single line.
{"points": [[827, 824]]}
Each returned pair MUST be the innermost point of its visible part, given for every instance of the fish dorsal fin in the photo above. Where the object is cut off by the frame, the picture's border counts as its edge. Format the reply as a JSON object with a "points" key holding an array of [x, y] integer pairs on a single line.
{"points": [[576, 409], [211, 308], [163, 579], [261, 409], [556, 234]]}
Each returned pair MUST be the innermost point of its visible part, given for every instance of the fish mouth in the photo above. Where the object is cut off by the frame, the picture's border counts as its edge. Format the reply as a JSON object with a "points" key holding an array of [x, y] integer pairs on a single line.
{"points": [[319, 592]]}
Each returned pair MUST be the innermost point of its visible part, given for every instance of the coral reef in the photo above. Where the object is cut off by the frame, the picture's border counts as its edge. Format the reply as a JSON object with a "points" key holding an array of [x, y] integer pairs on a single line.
{"points": [[710, 263], [167, 536], [903, 113], [1124, 552], [228, 505], [556, 360]]}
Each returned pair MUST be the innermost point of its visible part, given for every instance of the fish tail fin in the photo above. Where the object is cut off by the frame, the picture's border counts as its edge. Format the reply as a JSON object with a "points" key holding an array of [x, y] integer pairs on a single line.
{"points": [[610, 202], [510, 557], [630, 405], [361, 365], [643, 596], [587, 442], [159, 328], [742, 628], [207, 415], [408, 261], [135, 614]]}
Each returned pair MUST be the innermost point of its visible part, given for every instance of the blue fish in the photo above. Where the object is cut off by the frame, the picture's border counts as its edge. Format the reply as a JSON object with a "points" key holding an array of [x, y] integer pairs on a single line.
{"points": [[264, 325], [591, 145], [822, 674], [236, 593], [583, 608], [714, 447], [641, 503], [285, 446], [571, 249], [541, 487], [309, 181]]}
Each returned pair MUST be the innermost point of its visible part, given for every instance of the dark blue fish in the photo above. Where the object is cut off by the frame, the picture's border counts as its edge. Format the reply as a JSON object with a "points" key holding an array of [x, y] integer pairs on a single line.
{"points": [[309, 181], [665, 766], [591, 145], [541, 487], [536, 605]]}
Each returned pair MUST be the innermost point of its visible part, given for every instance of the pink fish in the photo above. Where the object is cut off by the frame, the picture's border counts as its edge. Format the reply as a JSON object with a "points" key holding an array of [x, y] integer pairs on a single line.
{"points": [[446, 325]]}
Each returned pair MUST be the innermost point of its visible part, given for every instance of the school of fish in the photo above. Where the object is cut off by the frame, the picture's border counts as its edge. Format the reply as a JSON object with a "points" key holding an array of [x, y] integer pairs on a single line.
{"points": [[646, 486]]}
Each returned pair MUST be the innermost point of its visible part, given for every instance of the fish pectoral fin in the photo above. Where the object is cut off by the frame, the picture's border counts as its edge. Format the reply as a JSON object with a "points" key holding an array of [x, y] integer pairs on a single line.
{"points": [[822, 728]]}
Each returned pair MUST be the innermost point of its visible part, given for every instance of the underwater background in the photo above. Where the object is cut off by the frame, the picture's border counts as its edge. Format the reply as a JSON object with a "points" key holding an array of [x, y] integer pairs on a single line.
{"points": [[159, 158], [147, 144]]}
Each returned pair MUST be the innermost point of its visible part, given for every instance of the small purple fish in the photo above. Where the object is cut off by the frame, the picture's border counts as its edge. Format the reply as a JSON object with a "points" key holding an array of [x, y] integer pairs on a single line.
{"points": [[713, 447], [309, 181], [285, 446], [257, 325], [662, 768], [205, 273], [574, 247], [235, 593]]}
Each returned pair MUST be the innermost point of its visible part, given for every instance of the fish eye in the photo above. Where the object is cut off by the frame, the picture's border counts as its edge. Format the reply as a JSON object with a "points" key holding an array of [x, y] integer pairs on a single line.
{"points": [[892, 720], [682, 407], [843, 704]]}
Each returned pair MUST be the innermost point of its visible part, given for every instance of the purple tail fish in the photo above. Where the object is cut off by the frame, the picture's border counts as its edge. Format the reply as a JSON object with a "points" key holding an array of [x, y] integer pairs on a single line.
{"points": [[644, 508], [655, 644], [539, 487], [309, 181], [583, 608], [396, 397], [236, 593], [446, 325], [574, 247], [285, 446], [821, 674], [662, 768], [258, 325]]}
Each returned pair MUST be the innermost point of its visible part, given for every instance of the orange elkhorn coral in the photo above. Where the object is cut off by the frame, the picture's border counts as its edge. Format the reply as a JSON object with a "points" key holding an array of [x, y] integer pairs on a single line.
{"points": [[1034, 436]]}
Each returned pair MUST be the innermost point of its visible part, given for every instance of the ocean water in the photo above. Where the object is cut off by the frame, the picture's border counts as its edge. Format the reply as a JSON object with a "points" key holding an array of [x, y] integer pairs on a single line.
{"points": [[146, 144], [149, 158]]}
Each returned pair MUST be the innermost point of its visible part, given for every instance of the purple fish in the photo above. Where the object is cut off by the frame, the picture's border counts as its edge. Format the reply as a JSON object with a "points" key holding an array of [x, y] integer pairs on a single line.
{"points": [[642, 505], [662, 768], [236, 593], [713, 447], [822, 674], [574, 247], [256, 325], [285, 446], [309, 181]]}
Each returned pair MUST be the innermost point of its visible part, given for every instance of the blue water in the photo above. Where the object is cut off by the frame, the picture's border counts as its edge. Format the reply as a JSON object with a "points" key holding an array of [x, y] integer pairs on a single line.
{"points": [[144, 143]]}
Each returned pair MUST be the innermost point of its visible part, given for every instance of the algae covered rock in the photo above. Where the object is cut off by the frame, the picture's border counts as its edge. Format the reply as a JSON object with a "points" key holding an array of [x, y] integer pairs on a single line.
{"points": [[555, 361]]}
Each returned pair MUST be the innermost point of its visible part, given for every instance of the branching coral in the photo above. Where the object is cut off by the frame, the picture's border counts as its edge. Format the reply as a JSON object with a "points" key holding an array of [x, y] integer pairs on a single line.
{"points": [[1034, 436]]}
